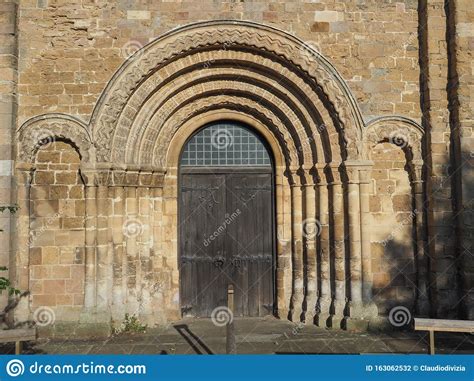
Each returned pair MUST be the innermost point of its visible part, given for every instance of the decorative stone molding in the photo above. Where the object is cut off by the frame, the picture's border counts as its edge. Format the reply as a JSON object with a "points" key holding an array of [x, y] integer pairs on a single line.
{"points": [[47, 128], [123, 177], [403, 132], [233, 35], [220, 102], [295, 102], [157, 100]]}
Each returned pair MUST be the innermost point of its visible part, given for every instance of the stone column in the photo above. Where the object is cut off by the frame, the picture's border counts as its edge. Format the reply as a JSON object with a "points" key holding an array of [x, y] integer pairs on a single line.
{"points": [[354, 239], [297, 227], [170, 243], [324, 298], [145, 261], [118, 205], [90, 250], [422, 297], [283, 227], [361, 309], [19, 264], [102, 260], [157, 258], [338, 248], [132, 229], [311, 230]]}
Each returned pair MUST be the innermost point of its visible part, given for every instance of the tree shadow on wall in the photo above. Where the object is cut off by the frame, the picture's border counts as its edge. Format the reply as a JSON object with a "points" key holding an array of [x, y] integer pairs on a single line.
{"points": [[448, 270]]}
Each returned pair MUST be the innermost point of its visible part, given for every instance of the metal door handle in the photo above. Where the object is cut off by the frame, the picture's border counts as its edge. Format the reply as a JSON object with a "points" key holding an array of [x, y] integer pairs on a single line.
{"points": [[219, 262]]}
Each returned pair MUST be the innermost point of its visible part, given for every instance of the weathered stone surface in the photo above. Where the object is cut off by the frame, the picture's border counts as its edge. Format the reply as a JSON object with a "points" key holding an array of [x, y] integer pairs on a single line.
{"points": [[81, 176]]}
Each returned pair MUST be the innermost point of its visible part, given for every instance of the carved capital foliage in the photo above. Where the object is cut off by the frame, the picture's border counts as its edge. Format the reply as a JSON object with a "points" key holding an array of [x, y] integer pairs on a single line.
{"points": [[48, 128]]}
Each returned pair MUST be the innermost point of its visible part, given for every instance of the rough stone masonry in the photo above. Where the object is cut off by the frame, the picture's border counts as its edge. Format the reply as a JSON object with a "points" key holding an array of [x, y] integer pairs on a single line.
{"points": [[366, 105]]}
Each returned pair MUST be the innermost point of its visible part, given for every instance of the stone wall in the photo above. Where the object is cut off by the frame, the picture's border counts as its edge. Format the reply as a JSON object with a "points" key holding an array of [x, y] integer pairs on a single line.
{"points": [[71, 49], [8, 115], [407, 60], [57, 231], [392, 234]]}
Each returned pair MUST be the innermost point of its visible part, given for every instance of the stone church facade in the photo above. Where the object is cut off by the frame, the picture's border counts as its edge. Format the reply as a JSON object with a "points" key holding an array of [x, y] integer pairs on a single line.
{"points": [[365, 108]]}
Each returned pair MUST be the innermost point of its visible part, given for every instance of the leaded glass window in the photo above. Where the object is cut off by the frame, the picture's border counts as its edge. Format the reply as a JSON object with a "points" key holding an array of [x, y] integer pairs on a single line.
{"points": [[225, 144]]}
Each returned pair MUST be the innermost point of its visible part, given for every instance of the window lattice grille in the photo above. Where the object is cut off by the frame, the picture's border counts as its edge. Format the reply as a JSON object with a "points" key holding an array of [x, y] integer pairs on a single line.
{"points": [[225, 144]]}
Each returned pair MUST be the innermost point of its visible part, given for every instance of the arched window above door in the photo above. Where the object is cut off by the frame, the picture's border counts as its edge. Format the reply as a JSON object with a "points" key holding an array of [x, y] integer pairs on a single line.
{"points": [[225, 144]]}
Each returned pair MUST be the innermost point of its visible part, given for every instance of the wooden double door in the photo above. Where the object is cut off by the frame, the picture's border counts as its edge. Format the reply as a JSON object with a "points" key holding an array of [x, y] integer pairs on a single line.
{"points": [[226, 237]]}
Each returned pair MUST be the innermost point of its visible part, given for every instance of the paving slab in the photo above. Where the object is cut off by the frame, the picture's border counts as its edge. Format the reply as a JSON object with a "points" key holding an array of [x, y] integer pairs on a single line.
{"points": [[253, 336]]}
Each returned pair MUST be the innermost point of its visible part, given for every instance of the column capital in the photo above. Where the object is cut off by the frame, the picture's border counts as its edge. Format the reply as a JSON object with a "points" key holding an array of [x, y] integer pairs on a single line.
{"points": [[310, 173], [318, 173], [417, 167], [333, 173], [296, 183], [358, 171], [352, 175], [361, 164], [129, 177]]}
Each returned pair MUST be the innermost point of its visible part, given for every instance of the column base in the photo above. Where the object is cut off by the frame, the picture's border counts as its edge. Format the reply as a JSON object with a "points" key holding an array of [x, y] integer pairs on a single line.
{"points": [[322, 314], [309, 317], [360, 316], [336, 320], [283, 313], [310, 308], [296, 314]]}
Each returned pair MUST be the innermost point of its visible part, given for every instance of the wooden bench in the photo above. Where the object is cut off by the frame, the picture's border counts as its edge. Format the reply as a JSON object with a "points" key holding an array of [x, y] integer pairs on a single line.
{"points": [[442, 325], [18, 336]]}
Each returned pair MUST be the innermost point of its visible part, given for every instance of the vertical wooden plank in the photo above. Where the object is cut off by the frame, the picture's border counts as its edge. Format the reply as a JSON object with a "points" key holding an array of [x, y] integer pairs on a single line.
{"points": [[235, 207], [202, 214], [432, 343], [18, 347]]}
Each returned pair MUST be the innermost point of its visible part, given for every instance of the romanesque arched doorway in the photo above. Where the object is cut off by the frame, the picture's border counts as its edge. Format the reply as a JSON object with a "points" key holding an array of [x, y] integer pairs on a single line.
{"points": [[226, 221], [130, 152]]}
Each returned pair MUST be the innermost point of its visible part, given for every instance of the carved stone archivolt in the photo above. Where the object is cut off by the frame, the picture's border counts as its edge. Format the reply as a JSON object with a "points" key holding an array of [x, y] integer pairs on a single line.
{"points": [[397, 130], [149, 107], [172, 125], [47, 128], [219, 36]]}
